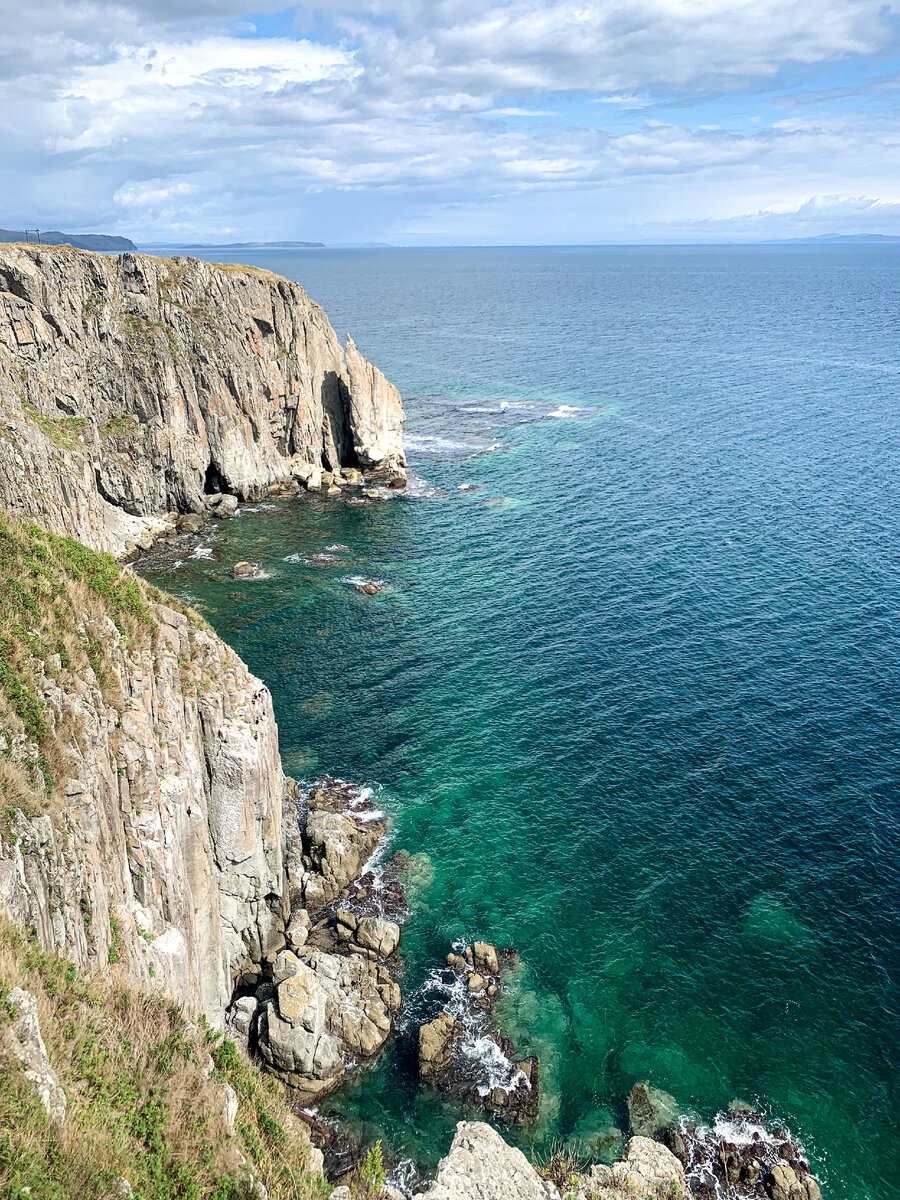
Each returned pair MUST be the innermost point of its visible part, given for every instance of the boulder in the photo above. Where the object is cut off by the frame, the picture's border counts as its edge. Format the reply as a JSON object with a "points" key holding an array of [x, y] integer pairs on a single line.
{"points": [[485, 959], [782, 1184], [481, 1166], [190, 523], [369, 588], [436, 1040], [326, 1006], [374, 933], [314, 480], [243, 570], [225, 506], [297, 930], [648, 1170], [23, 1038], [352, 476], [338, 849], [650, 1109]]}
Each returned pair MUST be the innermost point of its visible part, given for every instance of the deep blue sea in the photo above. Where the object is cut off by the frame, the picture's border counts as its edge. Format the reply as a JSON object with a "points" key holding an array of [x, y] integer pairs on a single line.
{"points": [[634, 694]]}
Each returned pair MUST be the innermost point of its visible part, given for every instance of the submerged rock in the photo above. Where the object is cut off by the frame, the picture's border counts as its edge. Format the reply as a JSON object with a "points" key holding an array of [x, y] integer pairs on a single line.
{"points": [[650, 1109]]}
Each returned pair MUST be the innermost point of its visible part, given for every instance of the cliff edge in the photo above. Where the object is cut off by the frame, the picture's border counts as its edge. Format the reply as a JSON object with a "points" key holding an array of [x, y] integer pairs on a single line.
{"points": [[132, 387]]}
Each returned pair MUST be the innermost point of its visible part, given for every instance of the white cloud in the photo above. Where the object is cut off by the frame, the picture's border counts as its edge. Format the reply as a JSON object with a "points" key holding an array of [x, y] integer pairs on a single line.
{"points": [[154, 116], [152, 192]]}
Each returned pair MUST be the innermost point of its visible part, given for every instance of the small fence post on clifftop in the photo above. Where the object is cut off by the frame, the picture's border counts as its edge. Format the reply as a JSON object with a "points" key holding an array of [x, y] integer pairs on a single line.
{"points": [[37, 234]]}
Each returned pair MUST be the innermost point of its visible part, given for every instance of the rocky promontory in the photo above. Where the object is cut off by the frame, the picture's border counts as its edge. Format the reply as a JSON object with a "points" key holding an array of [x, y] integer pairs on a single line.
{"points": [[135, 387]]}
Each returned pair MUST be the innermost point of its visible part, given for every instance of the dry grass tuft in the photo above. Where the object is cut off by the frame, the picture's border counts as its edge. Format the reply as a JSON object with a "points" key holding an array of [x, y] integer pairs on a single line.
{"points": [[145, 1101]]}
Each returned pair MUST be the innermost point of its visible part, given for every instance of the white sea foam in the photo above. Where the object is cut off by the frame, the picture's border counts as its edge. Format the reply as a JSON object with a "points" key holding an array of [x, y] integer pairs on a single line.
{"points": [[294, 558], [202, 552], [429, 442], [565, 410]]}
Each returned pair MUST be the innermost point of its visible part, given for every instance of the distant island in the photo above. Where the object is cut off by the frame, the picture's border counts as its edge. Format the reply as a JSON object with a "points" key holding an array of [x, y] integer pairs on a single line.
{"points": [[847, 237], [82, 241]]}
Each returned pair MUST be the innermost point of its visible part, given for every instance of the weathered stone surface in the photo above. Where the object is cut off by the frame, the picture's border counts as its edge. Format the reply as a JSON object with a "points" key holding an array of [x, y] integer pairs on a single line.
{"points": [[481, 1166], [173, 820], [157, 382], [339, 847], [23, 1039], [485, 959], [326, 1007], [374, 933], [648, 1170], [436, 1040]]}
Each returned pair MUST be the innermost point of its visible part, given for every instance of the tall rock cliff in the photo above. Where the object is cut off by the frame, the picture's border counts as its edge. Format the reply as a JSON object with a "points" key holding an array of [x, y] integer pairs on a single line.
{"points": [[134, 386], [146, 813]]}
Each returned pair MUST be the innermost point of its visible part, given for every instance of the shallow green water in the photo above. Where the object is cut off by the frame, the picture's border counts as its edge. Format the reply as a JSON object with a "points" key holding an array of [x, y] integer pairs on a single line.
{"points": [[636, 697]]}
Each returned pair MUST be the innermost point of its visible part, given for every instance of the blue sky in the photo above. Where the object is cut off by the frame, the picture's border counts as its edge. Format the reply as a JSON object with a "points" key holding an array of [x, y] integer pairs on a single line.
{"points": [[452, 121]]}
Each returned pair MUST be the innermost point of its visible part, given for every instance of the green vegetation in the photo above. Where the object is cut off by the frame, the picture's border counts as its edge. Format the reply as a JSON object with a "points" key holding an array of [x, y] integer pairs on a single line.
{"points": [[124, 425], [368, 1178], [53, 593], [62, 431], [142, 1102]]}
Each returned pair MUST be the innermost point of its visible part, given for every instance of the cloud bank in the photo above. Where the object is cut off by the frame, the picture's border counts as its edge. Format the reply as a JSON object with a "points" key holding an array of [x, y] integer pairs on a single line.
{"points": [[523, 120]]}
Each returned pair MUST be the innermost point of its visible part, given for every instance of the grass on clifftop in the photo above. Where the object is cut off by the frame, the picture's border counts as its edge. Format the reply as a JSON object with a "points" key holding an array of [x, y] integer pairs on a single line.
{"points": [[54, 595], [144, 1101]]}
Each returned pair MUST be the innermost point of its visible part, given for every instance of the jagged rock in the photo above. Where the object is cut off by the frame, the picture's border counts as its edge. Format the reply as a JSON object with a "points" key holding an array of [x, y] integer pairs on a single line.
{"points": [[481, 1166], [650, 1109], [326, 1006], [782, 1183], [239, 1021], [297, 930], [476, 983], [374, 933], [23, 1039], [190, 523], [485, 959], [649, 1170], [188, 378], [230, 1110], [243, 570], [436, 1041], [371, 587], [339, 847]]}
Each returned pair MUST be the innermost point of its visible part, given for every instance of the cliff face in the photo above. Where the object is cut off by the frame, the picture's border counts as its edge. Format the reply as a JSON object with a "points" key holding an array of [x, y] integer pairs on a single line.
{"points": [[161, 842], [134, 386]]}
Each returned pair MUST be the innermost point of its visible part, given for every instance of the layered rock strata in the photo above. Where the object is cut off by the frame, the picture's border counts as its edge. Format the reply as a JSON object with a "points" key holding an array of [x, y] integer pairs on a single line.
{"points": [[133, 387], [166, 852]]}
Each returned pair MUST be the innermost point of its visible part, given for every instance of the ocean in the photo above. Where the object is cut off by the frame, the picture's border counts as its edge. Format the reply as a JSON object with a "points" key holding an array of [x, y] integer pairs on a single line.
{"points": [[632, 690]]}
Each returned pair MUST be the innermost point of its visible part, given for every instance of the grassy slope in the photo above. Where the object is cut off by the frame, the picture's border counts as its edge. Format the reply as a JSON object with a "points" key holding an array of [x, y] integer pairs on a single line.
{"points": [[141, 1101]]}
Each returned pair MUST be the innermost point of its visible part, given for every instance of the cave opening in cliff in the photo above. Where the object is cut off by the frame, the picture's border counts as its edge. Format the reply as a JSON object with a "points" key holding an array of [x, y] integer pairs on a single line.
{"points": [[214, 482]]}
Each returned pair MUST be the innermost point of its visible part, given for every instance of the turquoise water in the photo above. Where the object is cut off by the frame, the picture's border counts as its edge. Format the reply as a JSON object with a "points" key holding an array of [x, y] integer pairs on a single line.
{"points": [[635, 697]]}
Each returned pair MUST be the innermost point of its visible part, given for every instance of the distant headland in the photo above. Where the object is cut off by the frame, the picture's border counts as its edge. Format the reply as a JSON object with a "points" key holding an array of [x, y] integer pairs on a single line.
{"points": [[81, 241]]}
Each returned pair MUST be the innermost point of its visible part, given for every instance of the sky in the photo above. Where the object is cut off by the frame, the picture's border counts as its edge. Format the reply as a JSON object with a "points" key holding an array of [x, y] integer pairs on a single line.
{"points": [[442, 122]]}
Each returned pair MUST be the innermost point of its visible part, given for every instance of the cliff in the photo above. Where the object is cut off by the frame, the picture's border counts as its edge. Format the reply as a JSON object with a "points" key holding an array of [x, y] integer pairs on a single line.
{"points": [[133, 387], [141, 779]]}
